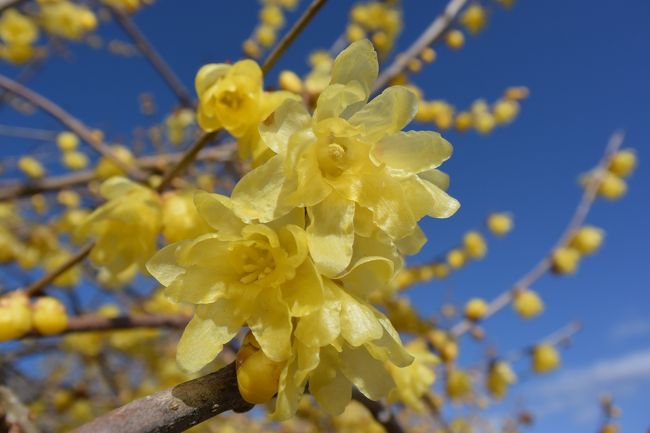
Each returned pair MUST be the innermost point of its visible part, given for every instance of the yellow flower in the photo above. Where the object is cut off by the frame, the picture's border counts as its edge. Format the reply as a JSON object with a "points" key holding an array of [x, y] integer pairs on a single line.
{"points": [[500, 377], [474, 18], [125, 227], [68, 20], [499, 224], [527, 304], [545, 358], [49, 316], [414, 381], [565, 260], [459, 384], [476, 309], [17, 29], [474, 245], [587, 239], [232, 97], [349, 164], [623, 163], [180, 218]]}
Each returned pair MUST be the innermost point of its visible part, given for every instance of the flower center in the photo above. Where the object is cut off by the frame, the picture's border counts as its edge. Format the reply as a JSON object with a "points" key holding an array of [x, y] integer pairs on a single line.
{"points": [[231, 99], [253, 262]]}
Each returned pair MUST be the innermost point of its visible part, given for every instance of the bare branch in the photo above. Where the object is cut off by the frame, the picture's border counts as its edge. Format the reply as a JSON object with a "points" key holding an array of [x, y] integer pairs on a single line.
{"points": [[543, 266], [39, 285], [175, 409], [435, 30], [381, 413], [148, 50], [70, 122], [288, 39], [14, 412]]}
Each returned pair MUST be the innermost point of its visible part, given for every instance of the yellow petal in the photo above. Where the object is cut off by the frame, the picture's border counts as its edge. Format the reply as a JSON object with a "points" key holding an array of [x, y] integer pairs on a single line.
{"points": [[368, 275], [387, 113], [321, 327], [259, 194], [289, 118], [358, 322], [270, 322], [217, 211], [304, 292], [331, 389], [412, 152], [366, 373], [208, 75], [436, 177], [339, 100], [358, 62], [331, 234]]}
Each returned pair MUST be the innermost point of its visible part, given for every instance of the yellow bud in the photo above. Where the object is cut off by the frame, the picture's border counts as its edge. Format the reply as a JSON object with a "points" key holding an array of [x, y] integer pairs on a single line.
{"points": [[499, 224], [455, 258], [15, 316], [31, 167], [505, 111], [623, 163], [68, 198], [484, 123], [587, 239], [609, 428], [474, 18], [449, 351], [290, 81], [428, 55], [414, 65], [612, 187], [440, 270], [527, 304], [565, 260], [106, 168], [257, 378], [474, 245], [75, 160], [251, 48], [49, 316], [463, 121], [67, 141], [455, 39], [266, 35], [272, 16], [355, 33], [380, 40], [500, 376], [437, 338], [475, 309], [459, 384], [545, 358], [39, 203], [516, 93]]}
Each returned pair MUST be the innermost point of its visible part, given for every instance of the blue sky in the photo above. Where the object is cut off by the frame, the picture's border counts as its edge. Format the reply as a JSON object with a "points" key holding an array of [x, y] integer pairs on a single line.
{"points": [[587, 65]]}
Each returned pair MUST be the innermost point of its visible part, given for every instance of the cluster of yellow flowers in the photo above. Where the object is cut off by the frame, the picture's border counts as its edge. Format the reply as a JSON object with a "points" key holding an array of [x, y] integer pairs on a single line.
{"points": [[72, 158], [18, 33], [585, 241], [177, 123], [67, 19], [271, 22], [480, 117], [321, 222], [46, 315], [613, 186], [380, 21]]}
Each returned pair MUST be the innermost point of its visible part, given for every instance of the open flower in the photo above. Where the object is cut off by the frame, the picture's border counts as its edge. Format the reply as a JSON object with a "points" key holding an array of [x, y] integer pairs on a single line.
{"points": [[124, 228], [232, 97], [349, 161]]}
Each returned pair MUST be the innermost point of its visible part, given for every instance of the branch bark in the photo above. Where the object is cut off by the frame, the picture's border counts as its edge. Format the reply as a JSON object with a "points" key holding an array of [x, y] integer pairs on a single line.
{"points": [[175, 409]]}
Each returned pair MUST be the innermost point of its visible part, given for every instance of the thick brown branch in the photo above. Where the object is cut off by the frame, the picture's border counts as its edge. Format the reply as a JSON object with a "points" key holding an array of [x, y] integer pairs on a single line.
{"points": [[435, 30], [92, 322], [544, 265], [381, 413], [175, 409], [69, 122], [147, 49]]}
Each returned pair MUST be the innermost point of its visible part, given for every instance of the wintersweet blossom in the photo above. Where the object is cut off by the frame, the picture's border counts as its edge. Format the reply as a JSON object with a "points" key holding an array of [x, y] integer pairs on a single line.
{"points": [[124, 228], [349, 165], [232, 97]]}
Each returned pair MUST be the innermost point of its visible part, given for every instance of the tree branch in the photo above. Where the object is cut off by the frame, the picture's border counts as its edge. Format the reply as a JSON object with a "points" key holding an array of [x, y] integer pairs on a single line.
{"points": [[381, 413], [175, 409], [39, 285], [147, 49], [434, 32], [543, 266], [69, 122]]}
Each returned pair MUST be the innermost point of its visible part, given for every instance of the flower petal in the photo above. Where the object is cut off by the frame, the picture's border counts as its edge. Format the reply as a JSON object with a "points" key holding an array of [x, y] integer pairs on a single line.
{"points": [[217, 211], [412, 152], [330, 234], [367, 373], [387, 113], [290, 117], [270, 322], [368, 275], [304, 292], [358, 62]]}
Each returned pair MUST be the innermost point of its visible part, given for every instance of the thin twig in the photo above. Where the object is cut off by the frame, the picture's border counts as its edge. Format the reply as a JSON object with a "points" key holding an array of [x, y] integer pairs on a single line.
{"points": [[185, 160], [29, 133], [39, 285], [175, 409], [543, 266], [148, 50], [70, 122], [434, 32], [381, 413], [288, 39]]}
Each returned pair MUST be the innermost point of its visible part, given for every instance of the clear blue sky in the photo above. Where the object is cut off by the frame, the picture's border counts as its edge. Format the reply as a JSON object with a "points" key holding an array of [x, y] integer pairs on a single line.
{"points": [[587, 65]]}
